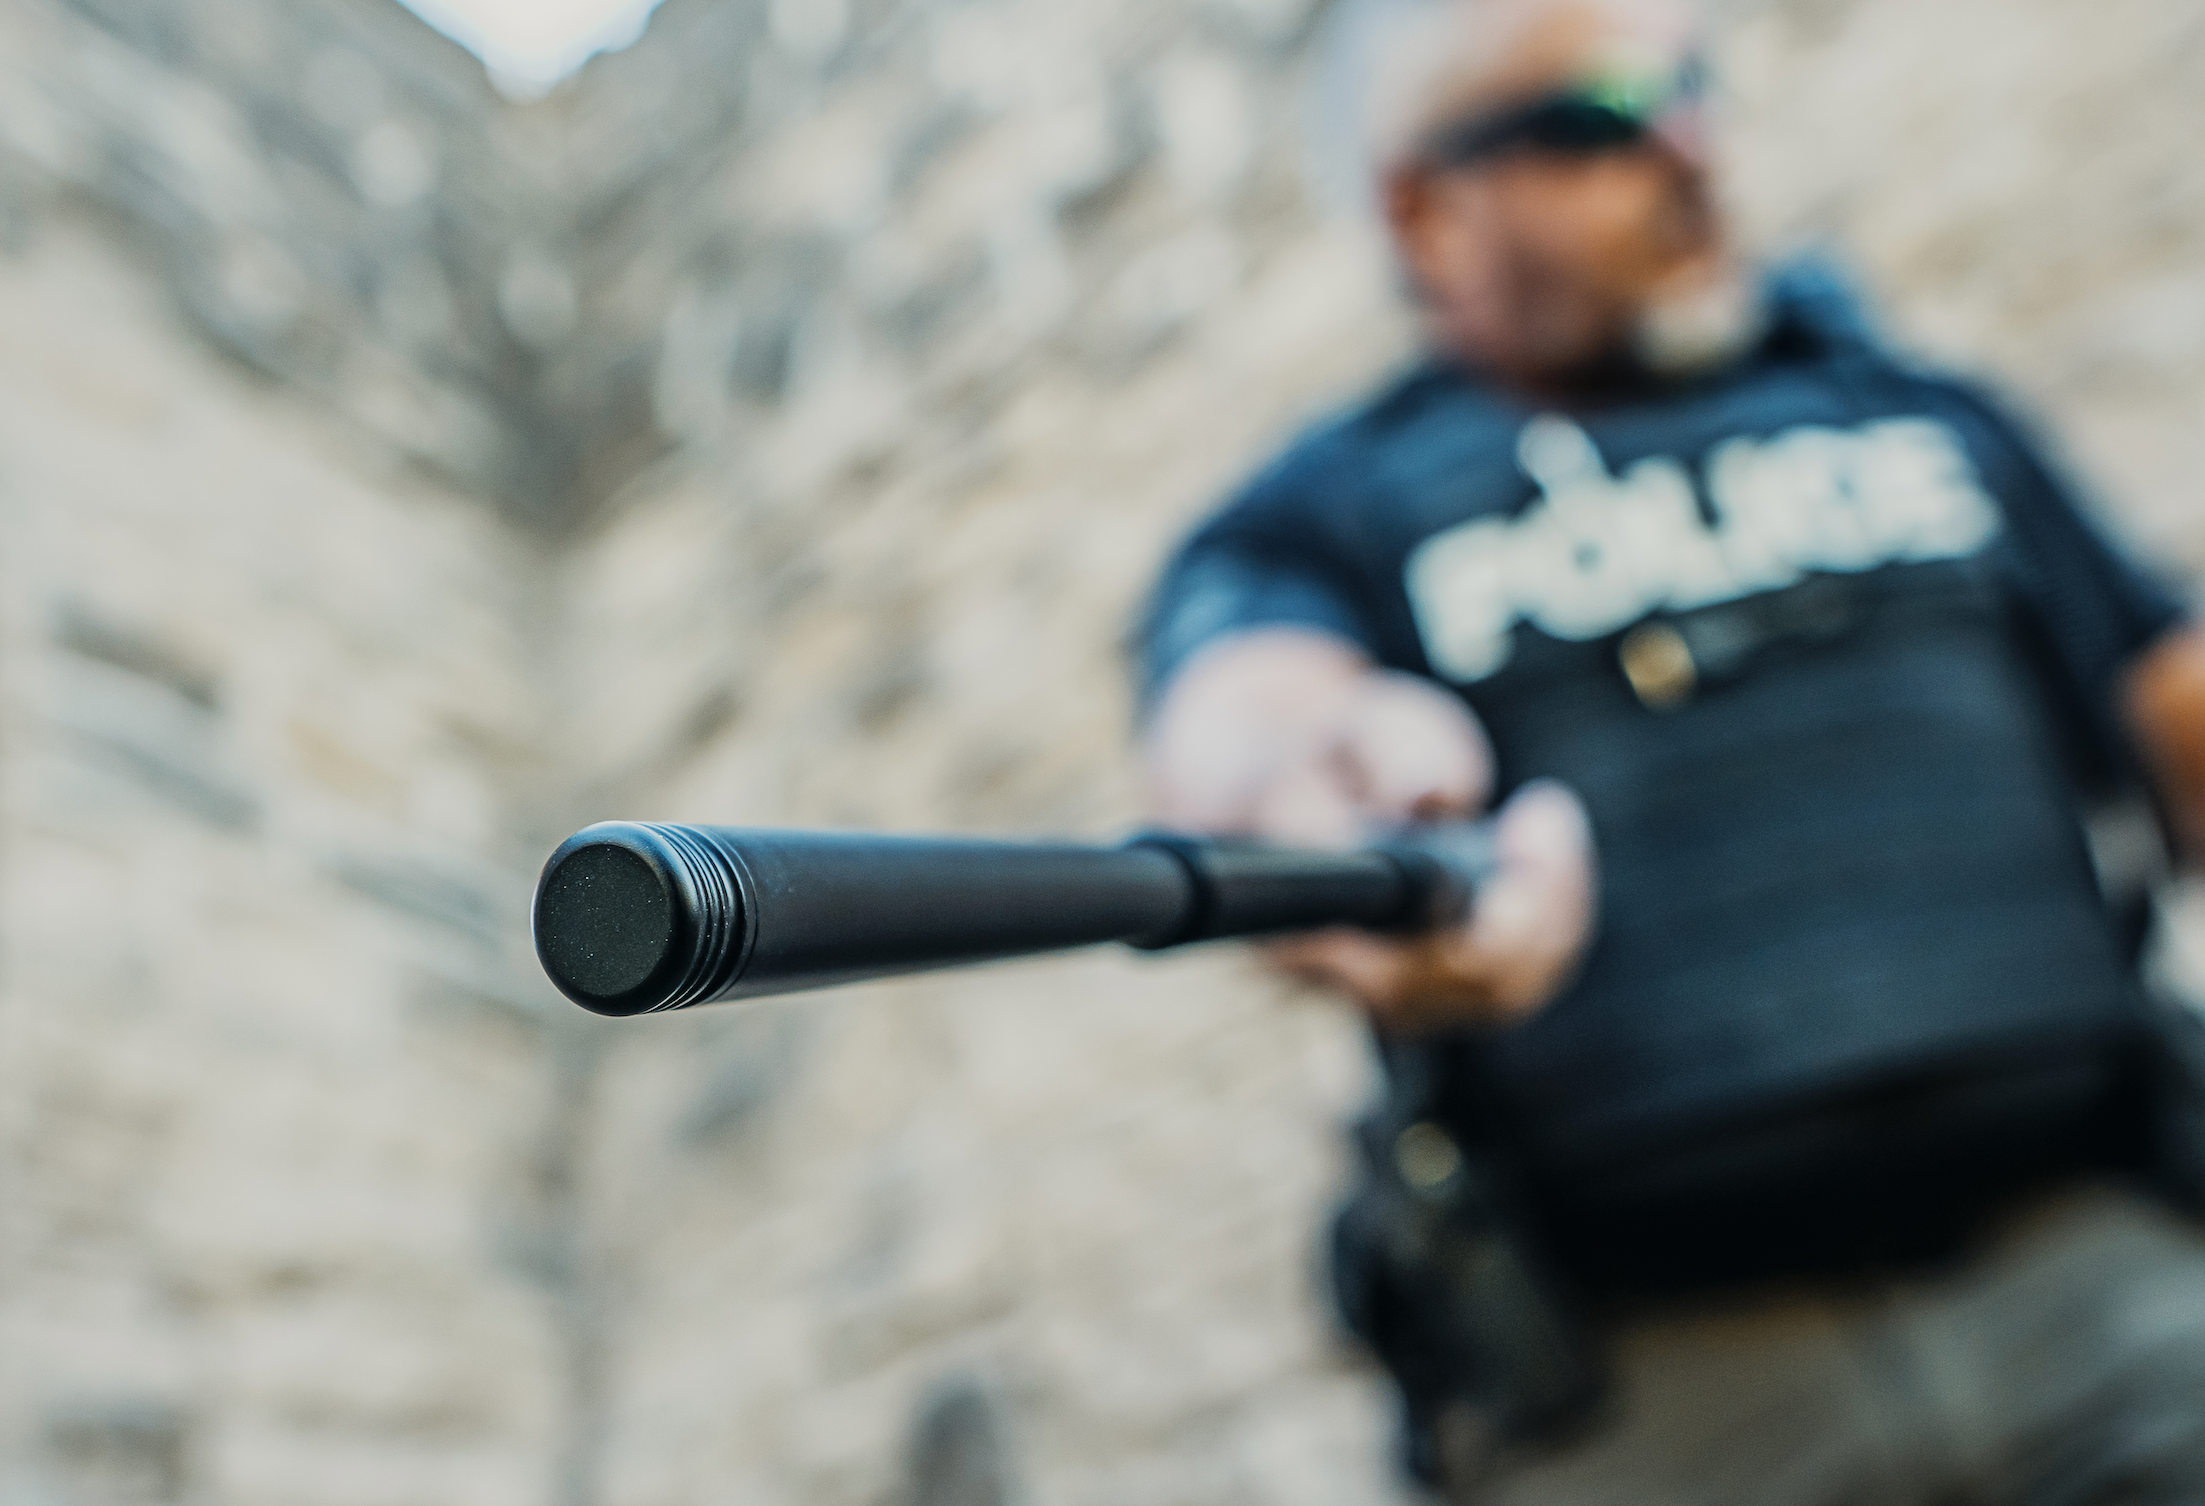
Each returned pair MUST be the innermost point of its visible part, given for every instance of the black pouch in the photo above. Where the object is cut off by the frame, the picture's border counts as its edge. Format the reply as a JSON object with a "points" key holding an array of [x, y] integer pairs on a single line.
{"points": [[1434, 1274]]}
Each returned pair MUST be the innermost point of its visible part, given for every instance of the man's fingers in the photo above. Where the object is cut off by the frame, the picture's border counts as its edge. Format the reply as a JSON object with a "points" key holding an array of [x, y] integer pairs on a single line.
{"points": [[1402, 985], [1236, 713], [1306, 806], [1412, 751], [1533, 920], [1291, 736], [1362, 966], [1520, 947], [1544, 841]]}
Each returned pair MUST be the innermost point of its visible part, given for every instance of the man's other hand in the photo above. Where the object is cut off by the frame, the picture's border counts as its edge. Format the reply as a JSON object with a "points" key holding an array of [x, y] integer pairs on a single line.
{"points": [[2164, 697], [1295, 737]]}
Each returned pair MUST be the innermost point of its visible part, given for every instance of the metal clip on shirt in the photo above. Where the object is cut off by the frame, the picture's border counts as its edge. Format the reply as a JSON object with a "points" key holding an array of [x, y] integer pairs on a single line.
{"points": [[1669, 660]]}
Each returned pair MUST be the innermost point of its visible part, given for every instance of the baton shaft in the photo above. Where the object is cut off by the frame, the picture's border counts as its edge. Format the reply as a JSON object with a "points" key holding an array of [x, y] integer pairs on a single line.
{"points": [[635, 919]]}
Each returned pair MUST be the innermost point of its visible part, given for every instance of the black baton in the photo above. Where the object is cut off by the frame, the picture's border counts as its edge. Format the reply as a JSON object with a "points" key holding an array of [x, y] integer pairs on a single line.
{"points": [[632, 919]]}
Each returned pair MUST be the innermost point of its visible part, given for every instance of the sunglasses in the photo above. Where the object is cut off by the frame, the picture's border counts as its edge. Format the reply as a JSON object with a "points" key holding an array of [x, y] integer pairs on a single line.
{"points": [[1602, 115]]}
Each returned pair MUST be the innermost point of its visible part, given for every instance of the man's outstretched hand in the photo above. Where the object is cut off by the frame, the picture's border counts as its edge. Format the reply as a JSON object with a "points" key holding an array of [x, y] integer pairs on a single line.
{"points": [[1295, 737]]}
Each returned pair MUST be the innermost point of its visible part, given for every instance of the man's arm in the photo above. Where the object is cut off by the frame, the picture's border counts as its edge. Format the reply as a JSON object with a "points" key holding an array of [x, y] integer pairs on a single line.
{"points": [[1294, 735], [2118, 633], [2163, 695]]}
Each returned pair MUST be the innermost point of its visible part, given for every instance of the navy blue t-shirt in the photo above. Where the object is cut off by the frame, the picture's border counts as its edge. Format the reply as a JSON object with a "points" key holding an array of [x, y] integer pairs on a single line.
{"points": [[1324, 536]]}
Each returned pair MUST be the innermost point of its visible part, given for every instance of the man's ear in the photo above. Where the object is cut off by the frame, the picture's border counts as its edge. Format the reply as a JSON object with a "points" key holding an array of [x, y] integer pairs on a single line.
{"points": [[1405, 202], [1404, 198]]}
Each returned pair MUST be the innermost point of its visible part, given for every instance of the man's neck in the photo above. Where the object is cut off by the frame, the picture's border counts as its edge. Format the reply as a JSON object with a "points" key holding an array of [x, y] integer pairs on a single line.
{"points": [[1616, 376]]}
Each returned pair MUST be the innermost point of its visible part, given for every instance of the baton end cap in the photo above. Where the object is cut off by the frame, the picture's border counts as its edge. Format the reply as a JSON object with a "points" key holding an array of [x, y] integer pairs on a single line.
{"points": [[609, 920]]}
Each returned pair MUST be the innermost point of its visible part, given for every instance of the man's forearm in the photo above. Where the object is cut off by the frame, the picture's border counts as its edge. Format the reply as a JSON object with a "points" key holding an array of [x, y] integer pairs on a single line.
{"points": [[2164, 698]]}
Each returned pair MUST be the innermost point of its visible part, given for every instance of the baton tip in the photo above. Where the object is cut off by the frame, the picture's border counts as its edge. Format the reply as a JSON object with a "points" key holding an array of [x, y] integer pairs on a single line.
{"points": [[607, 919]]}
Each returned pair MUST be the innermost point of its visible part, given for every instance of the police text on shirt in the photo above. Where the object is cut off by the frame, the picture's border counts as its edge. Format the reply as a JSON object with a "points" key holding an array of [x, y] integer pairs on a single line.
{"points": [[1597, 552]]}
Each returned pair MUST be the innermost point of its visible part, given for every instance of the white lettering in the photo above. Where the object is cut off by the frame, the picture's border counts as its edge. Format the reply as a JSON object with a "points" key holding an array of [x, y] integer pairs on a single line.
{"points": [[1597, 552]]}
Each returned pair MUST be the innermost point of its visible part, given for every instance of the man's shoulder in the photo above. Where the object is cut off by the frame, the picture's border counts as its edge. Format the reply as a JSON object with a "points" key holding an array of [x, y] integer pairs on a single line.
{"points": [[1815, 302]]}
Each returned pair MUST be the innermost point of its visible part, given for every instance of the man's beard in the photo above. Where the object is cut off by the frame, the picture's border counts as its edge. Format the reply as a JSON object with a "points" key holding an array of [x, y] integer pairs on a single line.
{"points": [[1700, 327]]}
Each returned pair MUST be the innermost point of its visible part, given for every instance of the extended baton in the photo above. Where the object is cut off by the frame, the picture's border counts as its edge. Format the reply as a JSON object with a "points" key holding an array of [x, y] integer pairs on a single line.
{"points": [[633, 919]]}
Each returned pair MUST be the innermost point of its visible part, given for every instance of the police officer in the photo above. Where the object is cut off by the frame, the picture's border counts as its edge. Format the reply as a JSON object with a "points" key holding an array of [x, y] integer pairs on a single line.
{"points": [[1795, 1046]]}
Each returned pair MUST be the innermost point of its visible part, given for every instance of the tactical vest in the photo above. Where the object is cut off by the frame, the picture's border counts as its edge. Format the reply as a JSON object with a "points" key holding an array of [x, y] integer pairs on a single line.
{"points": [[1852, 957]]}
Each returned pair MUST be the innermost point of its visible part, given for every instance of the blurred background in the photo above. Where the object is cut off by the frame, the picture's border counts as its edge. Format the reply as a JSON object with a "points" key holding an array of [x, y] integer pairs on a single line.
{"points": [[775, 421]]}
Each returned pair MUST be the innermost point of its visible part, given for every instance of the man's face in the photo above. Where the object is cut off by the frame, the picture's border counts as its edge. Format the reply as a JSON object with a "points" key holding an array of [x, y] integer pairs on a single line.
{"points": [[1541, 263]]}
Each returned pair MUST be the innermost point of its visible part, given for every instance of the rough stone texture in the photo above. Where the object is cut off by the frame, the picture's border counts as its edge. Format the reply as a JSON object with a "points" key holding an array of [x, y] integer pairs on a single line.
{"points": [[835, 374], [268, 1100]]}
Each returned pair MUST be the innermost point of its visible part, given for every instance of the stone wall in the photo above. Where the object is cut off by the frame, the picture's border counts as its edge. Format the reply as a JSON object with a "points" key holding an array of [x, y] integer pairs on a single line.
{"points": [[272, 1081], [835, 374], [2011, 182], [914, 550]]}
